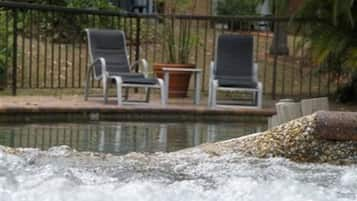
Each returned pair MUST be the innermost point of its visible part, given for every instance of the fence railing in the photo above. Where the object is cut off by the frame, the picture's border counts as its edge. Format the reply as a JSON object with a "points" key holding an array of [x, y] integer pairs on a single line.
{"points": [[47, 49]]}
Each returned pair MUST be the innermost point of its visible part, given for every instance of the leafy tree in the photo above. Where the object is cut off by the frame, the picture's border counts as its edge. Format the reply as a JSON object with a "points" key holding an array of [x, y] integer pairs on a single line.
{"points": [[336, 34], [333, 38]]}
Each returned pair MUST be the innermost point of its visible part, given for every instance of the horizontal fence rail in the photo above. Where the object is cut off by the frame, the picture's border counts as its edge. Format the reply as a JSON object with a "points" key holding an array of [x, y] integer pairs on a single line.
{"points": [[46, 48]]}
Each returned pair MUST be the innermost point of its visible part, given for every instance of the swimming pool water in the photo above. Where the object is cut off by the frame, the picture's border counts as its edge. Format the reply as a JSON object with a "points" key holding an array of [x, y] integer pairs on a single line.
{"points": [[59, 173], [122, 137]]}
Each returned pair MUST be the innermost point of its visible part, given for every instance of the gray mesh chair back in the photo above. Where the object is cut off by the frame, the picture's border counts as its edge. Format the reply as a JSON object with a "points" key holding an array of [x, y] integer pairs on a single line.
{"points": [[109, 44], [234, 61], [234, 70]]}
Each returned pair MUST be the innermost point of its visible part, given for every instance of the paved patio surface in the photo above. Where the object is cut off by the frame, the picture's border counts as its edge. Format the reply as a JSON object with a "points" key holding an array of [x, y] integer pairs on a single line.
{"points": [[76, 103], [73, 107], [21, 109]]}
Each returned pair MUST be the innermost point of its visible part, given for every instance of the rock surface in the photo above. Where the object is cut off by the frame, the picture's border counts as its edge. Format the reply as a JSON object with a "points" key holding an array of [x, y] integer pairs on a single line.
{"points": [[299, 140], [337, 125]]}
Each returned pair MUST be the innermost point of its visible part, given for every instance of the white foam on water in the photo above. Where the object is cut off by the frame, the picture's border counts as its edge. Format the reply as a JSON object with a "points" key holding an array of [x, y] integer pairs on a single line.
{"points": [[62, 174]]}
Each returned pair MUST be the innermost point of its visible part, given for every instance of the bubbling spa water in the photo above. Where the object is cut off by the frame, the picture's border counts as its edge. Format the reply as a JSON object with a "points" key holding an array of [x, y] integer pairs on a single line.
{"points": [[64, 174]]}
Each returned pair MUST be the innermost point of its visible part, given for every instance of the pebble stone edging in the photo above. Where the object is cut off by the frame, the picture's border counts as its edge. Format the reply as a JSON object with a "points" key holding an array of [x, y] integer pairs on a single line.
{"points": [[296, 140]]}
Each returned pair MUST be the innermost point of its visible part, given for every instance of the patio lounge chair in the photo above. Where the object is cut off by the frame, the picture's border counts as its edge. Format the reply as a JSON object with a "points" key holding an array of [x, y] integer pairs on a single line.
{"points": [[234, 69], [109, 63]]}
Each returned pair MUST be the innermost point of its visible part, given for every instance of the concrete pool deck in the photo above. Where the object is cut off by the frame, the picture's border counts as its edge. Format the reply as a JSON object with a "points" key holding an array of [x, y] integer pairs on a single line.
{"points": [[71, 108]]}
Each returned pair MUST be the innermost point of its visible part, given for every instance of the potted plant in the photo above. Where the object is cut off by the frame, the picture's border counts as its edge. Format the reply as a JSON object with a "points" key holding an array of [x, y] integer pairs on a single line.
{"points": [[178, 45]]}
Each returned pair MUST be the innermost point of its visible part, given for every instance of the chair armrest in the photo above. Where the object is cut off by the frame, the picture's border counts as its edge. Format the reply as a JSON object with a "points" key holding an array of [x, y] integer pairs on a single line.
{"points": [[103, 66], [144, 65]]}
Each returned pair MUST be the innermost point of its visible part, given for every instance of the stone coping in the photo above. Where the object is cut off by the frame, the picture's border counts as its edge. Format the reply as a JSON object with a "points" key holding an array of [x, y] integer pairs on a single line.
{"points": [[33, 113], [191, 110]]}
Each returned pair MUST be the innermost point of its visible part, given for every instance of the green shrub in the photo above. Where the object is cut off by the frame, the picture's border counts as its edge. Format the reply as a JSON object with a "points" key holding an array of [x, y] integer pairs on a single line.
{"points": [[63, 26], [5, 42], [237, 7], [95, 4]]}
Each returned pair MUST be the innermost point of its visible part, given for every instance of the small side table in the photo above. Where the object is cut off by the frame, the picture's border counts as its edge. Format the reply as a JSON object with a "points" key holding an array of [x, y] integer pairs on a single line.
{"points": [[197, 76]]}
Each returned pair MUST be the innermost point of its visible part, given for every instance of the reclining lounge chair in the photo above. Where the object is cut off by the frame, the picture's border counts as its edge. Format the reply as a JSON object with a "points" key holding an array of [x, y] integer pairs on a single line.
{"points": [[109, 63], [234, 69]]}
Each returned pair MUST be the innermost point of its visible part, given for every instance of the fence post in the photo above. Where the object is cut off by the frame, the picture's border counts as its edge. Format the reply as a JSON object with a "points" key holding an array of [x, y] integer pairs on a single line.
{"points": [[273, 51], [14, 53], [137, 45], [273, 89], [137, 41]]}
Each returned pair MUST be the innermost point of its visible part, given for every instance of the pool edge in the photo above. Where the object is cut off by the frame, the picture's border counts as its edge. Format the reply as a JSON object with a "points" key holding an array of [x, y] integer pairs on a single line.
{"points": [[165, 114]]}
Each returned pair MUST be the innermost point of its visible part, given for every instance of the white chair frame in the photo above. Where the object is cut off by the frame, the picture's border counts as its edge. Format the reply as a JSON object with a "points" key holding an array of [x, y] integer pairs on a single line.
{"points": [[214, 87], [107, 78]]}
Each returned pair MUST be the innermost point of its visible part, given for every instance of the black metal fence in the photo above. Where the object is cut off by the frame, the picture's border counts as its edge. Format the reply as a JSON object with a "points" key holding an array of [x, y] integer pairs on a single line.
{"points": [[47, 49]]}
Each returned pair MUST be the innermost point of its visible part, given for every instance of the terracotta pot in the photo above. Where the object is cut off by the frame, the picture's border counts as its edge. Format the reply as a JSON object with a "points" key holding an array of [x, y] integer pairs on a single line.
{"points": [[179, 81]]}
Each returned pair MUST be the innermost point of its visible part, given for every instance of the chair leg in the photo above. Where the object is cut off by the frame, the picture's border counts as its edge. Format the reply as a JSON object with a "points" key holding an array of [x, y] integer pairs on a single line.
{"points": [[162, 92], [260, 95], [214, 93], [147, 94], [210, 94], [86, 88], [87, 83], [118, 82], [105, 89], [126, 94], [255, 98]]}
